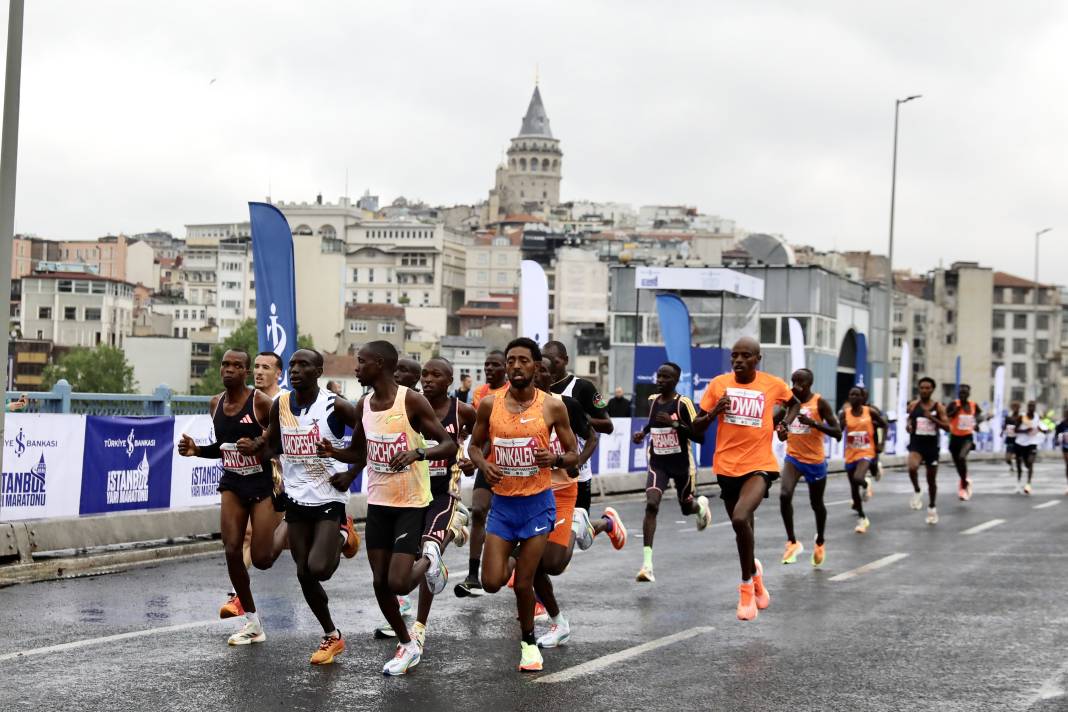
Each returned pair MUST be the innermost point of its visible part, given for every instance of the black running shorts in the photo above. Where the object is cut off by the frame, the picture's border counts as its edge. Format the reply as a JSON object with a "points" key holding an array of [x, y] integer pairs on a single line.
{"points": [[250, 489], [396, 529], [730, 488]]}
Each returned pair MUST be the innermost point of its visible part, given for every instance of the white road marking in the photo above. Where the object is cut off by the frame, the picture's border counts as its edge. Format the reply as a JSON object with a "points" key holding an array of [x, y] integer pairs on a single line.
{"points": [[837, 502], [984, 526], [608, 660], [1050, 503], [866, 568], [74, 645], [1052, 687]]}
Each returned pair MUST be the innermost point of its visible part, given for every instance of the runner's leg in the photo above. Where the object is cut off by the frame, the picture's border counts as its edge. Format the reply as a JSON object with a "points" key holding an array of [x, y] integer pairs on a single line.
{"points": [[914, 470], [264, 522], [233, 519], [815, 498], [495, 566], [387, 600], [480, 504], [932, 484], [857, 485], [316, 550], [527, 562], [790, 477], [741, 513]]}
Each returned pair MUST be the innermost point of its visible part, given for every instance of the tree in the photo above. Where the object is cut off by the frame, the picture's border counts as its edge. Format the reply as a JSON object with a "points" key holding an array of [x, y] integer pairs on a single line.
{"points": [[100, 370], [245, 338]]}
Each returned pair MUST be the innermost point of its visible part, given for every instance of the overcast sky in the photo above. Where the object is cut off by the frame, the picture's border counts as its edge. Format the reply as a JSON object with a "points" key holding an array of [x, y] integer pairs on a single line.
{"points": [[775, 114]]}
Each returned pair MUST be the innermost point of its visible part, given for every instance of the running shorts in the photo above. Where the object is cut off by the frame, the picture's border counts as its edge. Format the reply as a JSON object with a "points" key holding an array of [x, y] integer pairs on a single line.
{"points": [[851, 466], [1026, 451], [1010, 445], [658, 478], [521, 517], [250, 489], [438, 517], [957, 442], [927, 447], [811, 472], [585, 495], [565, 509], [296, 512], [730, 487], [396, 529]]}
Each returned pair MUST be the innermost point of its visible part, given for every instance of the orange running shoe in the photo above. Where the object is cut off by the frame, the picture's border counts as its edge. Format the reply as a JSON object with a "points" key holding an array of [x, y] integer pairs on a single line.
{"points": [[818, 555], [540, 614], [763, 598], [329, 648], [618, 535], [511, 580], [789, 554], [747, 608], [232, 608], [352, 539]]}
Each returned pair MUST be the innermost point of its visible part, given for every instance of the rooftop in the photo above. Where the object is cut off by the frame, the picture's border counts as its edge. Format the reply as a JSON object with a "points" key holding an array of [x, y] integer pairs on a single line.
{"points": [[360, 311], [536, 121], [338, 365], [1004, 279]]}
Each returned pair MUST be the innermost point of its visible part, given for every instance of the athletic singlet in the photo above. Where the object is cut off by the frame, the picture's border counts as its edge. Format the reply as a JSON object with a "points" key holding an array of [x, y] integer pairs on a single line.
{"points": [[669, 449], [560, 478], [485, 390], [1028, 431], [585, 472], [444, 474], [1010, 426], [923, 427], [744, 431], [231, 428], [306, 475], [803, 442], [514, 437], [963, 423], [390, 432], [860, 435]]}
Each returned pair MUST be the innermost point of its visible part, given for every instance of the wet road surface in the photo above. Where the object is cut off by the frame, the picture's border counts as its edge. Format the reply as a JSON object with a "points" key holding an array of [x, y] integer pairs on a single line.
{"points": [[967, 615]]}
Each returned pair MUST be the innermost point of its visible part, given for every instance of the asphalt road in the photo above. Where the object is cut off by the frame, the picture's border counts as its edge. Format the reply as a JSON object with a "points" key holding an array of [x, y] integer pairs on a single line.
{"points": [[954, 621]]}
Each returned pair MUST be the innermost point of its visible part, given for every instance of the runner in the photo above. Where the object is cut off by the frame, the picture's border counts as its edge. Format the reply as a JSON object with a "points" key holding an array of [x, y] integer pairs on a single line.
{"points": [[806, 457], [245, 486], [861, 425], [1030, 432], [315, 493], [496, 383], [407, 373], [876, 472], [670, 459], [963, 417], [744, 402], [517, 424], [393, 423], [586, 394], [925, 418], [1062, 440], [1008, 431]]}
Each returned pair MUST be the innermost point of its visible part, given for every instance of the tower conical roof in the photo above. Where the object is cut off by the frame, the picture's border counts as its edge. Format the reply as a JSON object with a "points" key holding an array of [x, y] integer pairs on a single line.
{"points": [[536, 122]]}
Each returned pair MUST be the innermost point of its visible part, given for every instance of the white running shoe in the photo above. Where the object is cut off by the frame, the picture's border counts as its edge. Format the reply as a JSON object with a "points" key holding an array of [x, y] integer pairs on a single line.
{"points": [[406, 657], [437, 576], [917, 501], [405, 605], [932, 515], [460, 537], [559, 633], [460, 517], [250, 633], [704, 513], [869, 487], [583, 528], [1027, 488], [419, 635]]}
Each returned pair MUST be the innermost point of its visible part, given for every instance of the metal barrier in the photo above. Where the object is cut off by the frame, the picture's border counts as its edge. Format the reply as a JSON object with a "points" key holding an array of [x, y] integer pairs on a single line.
{"points": [[62, 399]]}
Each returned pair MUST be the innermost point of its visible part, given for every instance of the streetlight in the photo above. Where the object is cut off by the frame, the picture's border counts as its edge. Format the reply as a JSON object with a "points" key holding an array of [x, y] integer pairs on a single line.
{"points": [[1034, 325], [890, 258]]}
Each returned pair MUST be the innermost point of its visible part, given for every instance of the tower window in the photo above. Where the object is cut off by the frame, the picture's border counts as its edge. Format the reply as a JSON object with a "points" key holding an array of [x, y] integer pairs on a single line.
{"points": [[522, 164], [545, 165], [533, 164]]}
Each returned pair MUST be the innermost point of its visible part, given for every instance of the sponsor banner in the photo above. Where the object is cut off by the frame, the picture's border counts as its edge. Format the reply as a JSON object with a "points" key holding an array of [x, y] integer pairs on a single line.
{"points": [[194, 480], [126, 464], [42, 466], [613, 450], [700, 279], [533, 302]]}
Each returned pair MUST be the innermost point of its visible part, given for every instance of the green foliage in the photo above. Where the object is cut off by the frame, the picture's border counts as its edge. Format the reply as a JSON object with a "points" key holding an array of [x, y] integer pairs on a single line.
{"points": [[245, 338], [100, 370]]}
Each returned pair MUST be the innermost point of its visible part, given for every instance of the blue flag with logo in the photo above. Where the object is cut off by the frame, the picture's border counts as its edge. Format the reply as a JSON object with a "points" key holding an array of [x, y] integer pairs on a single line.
{"points": [[276, 291], [675, 330]]}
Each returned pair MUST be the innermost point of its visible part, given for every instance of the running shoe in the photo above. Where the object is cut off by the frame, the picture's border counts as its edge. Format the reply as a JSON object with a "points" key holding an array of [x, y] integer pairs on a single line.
{"points": [[863, 524], [352, 539], [618, 534], [469, 587], [747, 608], [232, 608], [530, 659], [932, 515], [405, 604], [819, 555], [329, 648], [559, 633], [704, 513], [419, 635], [384, 632], [1027, 488], [511, 579], [540, 614], [406, 657], [437, 575], [869, 488], [968, 488], [461, 536], [789, 554], [917, 501], [962, 493], [460, 517], [760, 593], [250, 633], [583, 528], [645, 575]]}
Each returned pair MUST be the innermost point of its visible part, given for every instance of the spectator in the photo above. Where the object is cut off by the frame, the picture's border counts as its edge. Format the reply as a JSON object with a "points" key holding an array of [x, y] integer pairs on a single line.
{"points": [[16, 405], [463, 393], [334, 387], [618, 406]]}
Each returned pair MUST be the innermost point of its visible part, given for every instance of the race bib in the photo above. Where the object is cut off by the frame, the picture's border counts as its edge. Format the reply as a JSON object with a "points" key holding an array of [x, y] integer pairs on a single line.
{"points": [[299, 443], [926, 426], [515, 456], [234, 461], [438, 468], [797, 427], [665, 441], [966, 421], [1010, 431], [746, 409], [858, 440], [382, 447]]}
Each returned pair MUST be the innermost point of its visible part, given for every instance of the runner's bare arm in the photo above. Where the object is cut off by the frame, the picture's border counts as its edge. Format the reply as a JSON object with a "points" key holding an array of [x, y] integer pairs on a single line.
{"points": [[592, 438], [940, 418], [423, 419], [357, 448], [346, 411], [188, 448], [555, 413], [793, 407], [261, 406], [830, 425], [952, 409], [602, 425], [268, 443], [480, 442]]}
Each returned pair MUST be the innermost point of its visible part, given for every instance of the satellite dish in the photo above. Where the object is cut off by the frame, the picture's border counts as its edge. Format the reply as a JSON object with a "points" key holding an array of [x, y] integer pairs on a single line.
{"points": [[768, 249]]}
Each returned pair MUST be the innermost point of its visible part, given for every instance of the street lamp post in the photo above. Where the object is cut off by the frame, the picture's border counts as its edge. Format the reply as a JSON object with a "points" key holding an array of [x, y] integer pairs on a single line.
{"points": [[890, 258], [1034, 322]]}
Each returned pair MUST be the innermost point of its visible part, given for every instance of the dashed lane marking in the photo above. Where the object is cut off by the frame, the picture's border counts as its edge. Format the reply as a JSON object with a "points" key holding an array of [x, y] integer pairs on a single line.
{"points": [[867, 568], [1044, 505], [74, 645], [984, 526], [606, 661]]}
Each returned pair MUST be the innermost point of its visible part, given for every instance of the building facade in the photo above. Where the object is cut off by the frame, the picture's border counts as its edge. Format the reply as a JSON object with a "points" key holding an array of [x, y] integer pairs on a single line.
{"points": [[76, 309]]}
